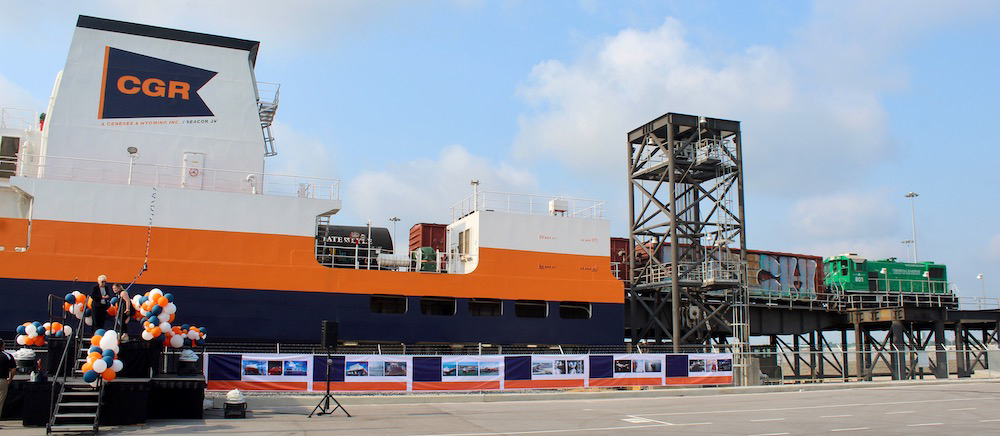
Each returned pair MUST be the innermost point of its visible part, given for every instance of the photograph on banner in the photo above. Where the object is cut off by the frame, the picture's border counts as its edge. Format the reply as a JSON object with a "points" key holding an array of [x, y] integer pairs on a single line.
{"points": [[558, 366], [710, 365], [377, 368], [277, 367], [638, 365], [470, 368]]}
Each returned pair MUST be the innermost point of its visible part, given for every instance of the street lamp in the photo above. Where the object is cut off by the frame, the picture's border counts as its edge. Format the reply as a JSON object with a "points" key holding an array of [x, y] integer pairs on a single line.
{"points": [[913, 222], [132, 154], [394, 220], [983, 282], [907, 242]]}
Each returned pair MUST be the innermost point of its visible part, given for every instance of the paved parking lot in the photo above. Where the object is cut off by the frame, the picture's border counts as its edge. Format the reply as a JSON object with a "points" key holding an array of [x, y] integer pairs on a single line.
{"points": [[967, 407]]}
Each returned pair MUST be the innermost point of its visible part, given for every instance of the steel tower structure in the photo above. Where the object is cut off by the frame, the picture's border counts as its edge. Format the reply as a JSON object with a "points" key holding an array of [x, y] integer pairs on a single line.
{"points": [[687, 281]]}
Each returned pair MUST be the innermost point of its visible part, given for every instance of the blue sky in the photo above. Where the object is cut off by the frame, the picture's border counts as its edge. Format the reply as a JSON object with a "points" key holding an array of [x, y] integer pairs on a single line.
{"points": [[845, 105]]}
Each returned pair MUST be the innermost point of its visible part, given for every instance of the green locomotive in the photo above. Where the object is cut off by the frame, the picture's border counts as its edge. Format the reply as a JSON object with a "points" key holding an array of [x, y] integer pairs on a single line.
{"points": [[852, 273]]}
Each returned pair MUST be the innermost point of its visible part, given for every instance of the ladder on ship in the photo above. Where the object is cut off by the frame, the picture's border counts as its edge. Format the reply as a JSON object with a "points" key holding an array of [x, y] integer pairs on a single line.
{"points": [[267, 106]]}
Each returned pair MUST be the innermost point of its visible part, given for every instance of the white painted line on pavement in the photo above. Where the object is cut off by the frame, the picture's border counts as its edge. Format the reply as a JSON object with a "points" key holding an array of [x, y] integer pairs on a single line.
{"points": [[900, 412], [826, 406], [769, 434], [989, 420], [567, 430], [851, 429], [964, 408], [925, 424], [767, 419], [635, 419], [696, 423], [836, 416]]}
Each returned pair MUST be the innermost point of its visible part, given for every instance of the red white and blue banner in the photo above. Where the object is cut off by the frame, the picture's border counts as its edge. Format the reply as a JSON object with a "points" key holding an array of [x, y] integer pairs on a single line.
{"points": [[398, 373]]}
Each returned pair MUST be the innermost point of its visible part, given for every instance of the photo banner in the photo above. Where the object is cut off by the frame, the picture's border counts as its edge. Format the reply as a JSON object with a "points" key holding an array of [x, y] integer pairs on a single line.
{"points": [[400, 373]]}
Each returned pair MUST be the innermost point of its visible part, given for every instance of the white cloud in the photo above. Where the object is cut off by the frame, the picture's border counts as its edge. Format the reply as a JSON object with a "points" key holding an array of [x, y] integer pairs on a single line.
{"points": [[13, 96], [852, 214], [301, 154], [424, 190], [811, 110]]}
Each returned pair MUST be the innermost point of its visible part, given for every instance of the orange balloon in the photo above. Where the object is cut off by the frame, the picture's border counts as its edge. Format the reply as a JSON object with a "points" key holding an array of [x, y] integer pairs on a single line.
{"points": [[66, 307], [162, 301], [95, 355], [56, 326], [95, 341], [156, 331], [113, 310], [108, 374], [87, 367], [80, 298]]}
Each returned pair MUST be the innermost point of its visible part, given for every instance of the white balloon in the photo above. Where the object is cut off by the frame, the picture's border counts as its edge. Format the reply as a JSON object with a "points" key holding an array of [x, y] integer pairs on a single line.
{"points": [[117, 365], [20, 339], [100, 365], [47, 325], [89, 321], [170, 309], [165, 326], [192, 334], [177, 341], [31, 330], [113, 348], [155, 291], [108, 340], [147, 336], [67, 330]]}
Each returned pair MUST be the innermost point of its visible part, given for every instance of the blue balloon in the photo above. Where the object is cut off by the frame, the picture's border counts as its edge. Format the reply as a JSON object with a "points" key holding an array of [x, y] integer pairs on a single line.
{"points": [[153, 319], [109, 353], [143, 299], [203, 330], [185, 327], [22, 330], [37, 324], [100, 332], [70, 298], [90, 376], [160, 338], [86, 312], [170, 297], [59, 334], [156, 310], [114, 300], [94, 349], [110, 360]]}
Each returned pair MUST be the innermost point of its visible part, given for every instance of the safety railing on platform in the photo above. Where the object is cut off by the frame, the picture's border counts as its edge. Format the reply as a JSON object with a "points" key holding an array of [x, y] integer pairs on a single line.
{"points": [[173, 176], [529, 204], [14, 118], [374, 258], [784, 364]]}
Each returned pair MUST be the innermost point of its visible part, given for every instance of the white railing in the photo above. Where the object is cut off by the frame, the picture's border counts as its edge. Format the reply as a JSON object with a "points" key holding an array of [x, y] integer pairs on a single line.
{"points": [[528, 204], [363, 257], [267, 92], [170, 176], [12, 118]]}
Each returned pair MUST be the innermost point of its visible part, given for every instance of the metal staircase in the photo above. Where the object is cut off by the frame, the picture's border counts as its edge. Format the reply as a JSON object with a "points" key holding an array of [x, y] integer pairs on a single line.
{"points": [[76, 405], [267, 106]]}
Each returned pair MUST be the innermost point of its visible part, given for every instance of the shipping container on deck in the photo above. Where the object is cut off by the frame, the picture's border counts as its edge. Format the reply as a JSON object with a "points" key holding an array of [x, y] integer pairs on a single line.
{"points": [[428, 235]]}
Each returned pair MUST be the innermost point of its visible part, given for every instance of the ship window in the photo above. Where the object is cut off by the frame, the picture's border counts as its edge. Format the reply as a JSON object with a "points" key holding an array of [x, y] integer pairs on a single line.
{"points": [[531, 309], [485, 307], [388, 304], [437, 306], [574, 310]]}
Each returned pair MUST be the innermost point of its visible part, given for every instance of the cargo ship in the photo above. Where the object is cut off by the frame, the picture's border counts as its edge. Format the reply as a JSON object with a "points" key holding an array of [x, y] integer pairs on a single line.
{"points": [[150, 167]]}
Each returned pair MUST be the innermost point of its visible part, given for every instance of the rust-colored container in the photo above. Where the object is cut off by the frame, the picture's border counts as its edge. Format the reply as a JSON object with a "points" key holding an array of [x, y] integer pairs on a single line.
{"points": [[428, 235]]}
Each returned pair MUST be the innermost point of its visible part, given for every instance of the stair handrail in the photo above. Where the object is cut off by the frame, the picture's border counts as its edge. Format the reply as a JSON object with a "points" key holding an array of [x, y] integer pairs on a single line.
{"points": [[72, 341]]}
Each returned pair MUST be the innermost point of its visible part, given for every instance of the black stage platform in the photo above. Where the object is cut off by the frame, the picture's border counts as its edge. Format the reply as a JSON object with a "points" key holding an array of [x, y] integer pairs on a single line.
{"points": [[126, 400]]}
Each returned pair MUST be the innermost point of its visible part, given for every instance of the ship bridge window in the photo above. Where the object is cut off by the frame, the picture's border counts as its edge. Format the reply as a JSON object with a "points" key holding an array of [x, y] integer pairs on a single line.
{"points": [[437, 306], [531, 309], [485, 307], [574, 310], [395, 304]]}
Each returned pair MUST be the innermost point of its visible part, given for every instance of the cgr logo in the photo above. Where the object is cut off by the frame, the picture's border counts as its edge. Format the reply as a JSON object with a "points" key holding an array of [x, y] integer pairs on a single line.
{"points": [[139, 86]]}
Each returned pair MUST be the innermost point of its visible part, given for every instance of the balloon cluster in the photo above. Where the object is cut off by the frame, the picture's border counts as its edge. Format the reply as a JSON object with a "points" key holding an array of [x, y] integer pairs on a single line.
{"points": [[102, 358], [156, 309], [34, 333], [79, 304]]}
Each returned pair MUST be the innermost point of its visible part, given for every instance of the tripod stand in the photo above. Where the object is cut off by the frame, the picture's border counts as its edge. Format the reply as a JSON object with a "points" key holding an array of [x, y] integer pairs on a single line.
{"points": [[324, 403]]}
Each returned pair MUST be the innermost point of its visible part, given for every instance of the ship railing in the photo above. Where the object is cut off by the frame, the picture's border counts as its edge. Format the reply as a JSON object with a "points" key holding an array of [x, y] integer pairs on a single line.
{"points": [[978, 303], [171, 176], [375, 258], [530, 204], [922, 285], [14, 118], [8, 167]]}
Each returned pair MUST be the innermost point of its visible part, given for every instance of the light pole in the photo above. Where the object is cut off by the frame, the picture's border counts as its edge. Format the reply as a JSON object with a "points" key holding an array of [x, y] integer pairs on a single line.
{"points": [[983, 282], [913, 222], [908, 254], [132, 154], [394, 220]]}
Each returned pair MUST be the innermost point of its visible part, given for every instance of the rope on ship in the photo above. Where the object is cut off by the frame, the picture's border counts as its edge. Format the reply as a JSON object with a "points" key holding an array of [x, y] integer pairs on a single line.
{"points": [[149, 237]]}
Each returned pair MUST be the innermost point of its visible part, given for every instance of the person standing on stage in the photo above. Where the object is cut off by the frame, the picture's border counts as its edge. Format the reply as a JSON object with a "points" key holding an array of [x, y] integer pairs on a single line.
{"points": [[7, 369], [100, 298], [124, 306]]}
